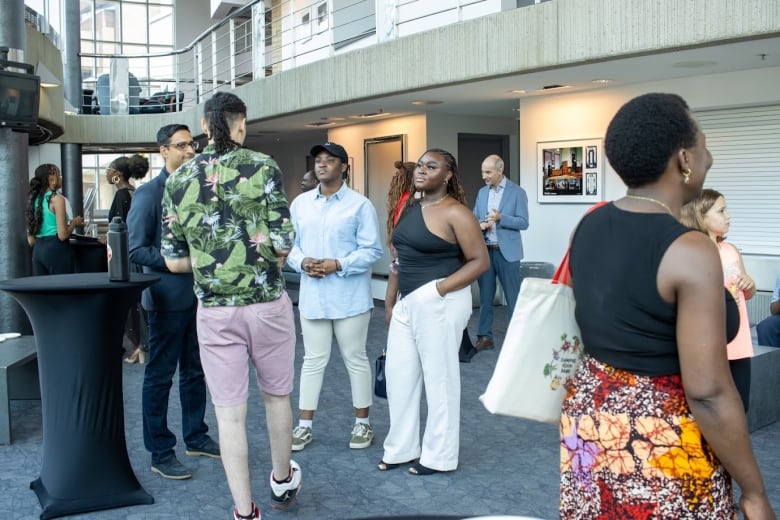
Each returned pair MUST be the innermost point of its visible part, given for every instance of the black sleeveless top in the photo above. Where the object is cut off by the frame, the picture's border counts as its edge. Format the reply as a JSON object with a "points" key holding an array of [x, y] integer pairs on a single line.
{"points": [[624, 322], [422, 256]]}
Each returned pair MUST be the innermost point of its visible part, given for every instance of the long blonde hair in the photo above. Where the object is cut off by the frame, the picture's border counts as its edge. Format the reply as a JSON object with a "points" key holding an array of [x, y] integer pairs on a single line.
{"points": [[692, 214]]}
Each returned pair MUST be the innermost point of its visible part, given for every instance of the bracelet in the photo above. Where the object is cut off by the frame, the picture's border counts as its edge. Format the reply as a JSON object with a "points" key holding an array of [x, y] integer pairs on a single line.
{"points": [[338, 264]]}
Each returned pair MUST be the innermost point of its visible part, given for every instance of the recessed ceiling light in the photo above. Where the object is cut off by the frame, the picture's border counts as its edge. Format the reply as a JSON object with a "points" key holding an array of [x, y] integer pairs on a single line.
{"points": [[694, 64], [601, 81], [369, 115], [319, 124], [518, 91], [425, 102]]}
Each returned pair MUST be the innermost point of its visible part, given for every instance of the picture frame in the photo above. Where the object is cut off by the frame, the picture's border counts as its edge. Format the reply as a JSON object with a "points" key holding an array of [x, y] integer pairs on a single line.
{"points": [[570, 171]]}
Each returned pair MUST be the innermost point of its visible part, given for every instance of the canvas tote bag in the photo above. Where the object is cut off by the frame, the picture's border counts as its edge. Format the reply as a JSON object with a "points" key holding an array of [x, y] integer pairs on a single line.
{"points": [[541, 351]]}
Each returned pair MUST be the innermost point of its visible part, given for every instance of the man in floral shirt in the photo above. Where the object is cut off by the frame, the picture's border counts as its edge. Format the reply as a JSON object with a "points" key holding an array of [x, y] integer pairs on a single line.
{"points": [[226, 218]]}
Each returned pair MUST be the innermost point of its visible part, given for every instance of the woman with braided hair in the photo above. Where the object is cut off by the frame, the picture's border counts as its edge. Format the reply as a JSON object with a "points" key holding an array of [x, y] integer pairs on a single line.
{"points": [[48, 231], [428, 301], [400, 188]]}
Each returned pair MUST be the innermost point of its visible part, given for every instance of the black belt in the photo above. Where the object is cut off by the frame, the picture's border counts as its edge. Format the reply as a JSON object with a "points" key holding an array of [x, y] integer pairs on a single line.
{"points": [[493, 247]]}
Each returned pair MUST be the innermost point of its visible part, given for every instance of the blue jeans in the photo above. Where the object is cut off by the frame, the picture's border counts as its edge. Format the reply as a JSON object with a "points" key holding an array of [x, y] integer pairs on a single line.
{"points": [[508, 273], [173, 341], [769, 331]]}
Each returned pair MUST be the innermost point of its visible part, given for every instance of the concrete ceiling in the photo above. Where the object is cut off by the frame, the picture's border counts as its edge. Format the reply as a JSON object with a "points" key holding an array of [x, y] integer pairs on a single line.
{"points": [[494, 97]]}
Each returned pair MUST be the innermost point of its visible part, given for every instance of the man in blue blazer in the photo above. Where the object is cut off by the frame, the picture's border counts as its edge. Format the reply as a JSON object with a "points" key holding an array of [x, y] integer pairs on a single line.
{"points": [[171, 306], [502, 211]]}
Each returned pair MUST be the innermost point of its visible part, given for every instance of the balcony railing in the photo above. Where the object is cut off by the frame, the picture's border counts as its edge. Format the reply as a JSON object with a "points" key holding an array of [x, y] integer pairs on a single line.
{"points": [[291, 34]]}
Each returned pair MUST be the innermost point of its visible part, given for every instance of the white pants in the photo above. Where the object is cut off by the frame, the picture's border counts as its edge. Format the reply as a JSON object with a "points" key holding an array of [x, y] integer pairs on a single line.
{"points": [[351, 334], [422, 348]]}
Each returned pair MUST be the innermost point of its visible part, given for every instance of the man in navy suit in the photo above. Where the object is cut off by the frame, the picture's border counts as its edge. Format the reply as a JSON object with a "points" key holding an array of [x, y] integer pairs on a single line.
{"points": [[171, 306], [502, 211]]}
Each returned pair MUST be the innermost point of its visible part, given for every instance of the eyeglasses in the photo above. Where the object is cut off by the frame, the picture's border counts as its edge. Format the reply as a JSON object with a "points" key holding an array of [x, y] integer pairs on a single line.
{"points": [[183, 145]]}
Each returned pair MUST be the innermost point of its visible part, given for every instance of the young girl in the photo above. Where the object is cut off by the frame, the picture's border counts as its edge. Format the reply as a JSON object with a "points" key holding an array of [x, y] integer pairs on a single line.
{"points": [[708, 213]]}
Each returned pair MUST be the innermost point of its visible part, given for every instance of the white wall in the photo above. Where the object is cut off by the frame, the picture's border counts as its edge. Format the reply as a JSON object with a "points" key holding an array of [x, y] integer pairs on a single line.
{"points": [[586, 115], [443, 133], [352, 137]]}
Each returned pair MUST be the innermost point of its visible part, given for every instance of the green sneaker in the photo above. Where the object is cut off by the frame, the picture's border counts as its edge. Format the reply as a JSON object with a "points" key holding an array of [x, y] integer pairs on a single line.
{"points": [[362, 435], [301, 437]]}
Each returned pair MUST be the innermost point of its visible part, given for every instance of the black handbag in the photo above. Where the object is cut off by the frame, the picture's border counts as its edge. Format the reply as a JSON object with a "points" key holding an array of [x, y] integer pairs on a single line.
{"points": [[380, 388]]}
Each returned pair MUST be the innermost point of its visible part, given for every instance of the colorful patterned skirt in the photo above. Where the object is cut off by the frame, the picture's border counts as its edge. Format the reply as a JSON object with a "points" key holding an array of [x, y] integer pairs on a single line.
{"points": [[631, 450]]}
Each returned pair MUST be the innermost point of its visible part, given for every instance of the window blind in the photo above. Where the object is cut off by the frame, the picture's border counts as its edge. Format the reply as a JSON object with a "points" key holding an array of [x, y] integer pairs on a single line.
{"points": [[745, 145]]}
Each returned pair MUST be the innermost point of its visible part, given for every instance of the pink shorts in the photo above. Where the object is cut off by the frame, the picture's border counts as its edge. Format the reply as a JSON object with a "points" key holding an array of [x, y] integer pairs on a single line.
{"points": [[230, 336]]}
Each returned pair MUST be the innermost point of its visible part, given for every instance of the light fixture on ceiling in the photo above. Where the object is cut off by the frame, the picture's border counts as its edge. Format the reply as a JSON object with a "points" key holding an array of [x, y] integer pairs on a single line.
{"points": [[601, 81], [371, 115], [426, 102], [518, 91], [48, 79], [694, 64]]}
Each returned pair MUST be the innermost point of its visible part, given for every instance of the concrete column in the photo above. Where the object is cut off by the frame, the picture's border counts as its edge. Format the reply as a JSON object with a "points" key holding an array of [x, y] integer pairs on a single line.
{"points": [[14, 252], [73, 182]]}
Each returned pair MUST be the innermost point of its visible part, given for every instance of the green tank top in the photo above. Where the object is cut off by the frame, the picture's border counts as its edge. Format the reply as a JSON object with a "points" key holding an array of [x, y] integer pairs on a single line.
{"points": [[49, 224]]}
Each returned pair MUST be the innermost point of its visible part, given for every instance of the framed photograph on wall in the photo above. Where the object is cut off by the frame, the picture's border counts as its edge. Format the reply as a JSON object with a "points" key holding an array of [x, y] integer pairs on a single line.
{"points": [[570, 171]]}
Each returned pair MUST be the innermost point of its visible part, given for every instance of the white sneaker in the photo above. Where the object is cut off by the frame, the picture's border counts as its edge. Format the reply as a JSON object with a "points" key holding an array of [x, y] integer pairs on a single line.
{"points": [[255, 514], [283, 493]]}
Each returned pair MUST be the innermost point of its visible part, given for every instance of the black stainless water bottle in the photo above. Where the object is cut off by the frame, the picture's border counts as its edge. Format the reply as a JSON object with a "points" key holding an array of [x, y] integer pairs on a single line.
{"points": [[118, 259]]}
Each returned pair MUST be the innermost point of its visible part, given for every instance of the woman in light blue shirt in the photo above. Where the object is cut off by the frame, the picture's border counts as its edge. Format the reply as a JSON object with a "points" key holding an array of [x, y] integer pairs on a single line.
{"points": [[336, 243]]}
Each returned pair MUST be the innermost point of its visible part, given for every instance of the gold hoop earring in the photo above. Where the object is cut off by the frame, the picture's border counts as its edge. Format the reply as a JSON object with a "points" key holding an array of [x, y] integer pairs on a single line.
{"points": [[686, 173], [115, 179]]}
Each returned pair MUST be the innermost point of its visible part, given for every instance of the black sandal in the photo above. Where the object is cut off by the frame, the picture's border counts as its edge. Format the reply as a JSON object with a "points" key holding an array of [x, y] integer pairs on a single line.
{"points": [[419, 469], [387, 466]]}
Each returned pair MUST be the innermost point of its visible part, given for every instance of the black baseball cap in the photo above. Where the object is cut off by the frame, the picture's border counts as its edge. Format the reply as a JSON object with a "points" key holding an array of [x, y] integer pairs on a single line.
{"points": [[336, 150]]}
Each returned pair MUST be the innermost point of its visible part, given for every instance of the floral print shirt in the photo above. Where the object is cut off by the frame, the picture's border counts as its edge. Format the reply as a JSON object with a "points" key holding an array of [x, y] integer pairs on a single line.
{"points": [[229, 214]]}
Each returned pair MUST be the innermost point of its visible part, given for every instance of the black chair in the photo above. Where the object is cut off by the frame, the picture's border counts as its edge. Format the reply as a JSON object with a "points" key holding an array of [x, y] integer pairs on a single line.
{"points": [[88, 105]]}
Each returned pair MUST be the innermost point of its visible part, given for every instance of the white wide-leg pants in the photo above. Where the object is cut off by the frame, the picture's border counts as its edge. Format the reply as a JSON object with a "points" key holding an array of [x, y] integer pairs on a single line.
{"points": [[422, 348]]}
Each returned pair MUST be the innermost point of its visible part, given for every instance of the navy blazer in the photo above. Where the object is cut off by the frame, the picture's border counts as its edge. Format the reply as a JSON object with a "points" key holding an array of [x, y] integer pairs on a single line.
{"points": [[514, 218], [174, 292]]}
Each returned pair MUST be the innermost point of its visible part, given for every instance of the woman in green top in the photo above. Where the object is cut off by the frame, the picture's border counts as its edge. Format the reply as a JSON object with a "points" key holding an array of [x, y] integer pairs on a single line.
{"points": [[48, 230]]}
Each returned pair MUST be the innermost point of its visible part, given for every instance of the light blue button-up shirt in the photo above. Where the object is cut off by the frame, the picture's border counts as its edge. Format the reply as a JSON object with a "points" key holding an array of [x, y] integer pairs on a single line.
{"points": [[343, 227], [494, 201]]}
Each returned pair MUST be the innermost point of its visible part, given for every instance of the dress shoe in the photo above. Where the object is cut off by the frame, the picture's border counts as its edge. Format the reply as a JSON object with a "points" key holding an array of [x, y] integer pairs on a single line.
{"points": [[464, 356], [484, 343]]}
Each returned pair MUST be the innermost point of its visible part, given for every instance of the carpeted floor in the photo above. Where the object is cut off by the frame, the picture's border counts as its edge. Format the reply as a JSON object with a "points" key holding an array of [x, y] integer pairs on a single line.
{"points": [[507, 466]]}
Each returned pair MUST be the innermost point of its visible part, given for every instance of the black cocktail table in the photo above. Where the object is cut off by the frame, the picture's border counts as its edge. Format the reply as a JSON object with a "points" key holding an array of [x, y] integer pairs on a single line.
{"points": [[78, 322]]}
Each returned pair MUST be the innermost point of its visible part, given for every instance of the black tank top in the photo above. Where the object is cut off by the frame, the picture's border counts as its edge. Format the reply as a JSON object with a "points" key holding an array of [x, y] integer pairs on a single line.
{"points": [[422, 256], [624, 322]]}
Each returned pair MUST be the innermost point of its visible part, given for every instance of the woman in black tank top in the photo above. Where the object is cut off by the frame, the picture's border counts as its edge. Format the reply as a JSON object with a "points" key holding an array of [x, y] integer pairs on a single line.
{"points": [[652, 425], [428, 303]]}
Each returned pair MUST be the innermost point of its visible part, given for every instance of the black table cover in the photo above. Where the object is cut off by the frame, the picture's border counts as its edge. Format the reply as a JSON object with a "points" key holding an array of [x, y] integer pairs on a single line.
{"points": [[78, 322]]}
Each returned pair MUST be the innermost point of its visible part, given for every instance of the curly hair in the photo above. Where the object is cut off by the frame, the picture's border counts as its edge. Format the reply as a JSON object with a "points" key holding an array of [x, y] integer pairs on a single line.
{"points": [[645, 133], [221, 112], [401, 183], [133, 167], [39, 186], [692, 214]]}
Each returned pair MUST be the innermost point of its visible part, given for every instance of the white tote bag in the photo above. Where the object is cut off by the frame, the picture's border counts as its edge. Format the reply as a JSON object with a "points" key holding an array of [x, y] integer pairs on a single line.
{"points": [[541, 351]]}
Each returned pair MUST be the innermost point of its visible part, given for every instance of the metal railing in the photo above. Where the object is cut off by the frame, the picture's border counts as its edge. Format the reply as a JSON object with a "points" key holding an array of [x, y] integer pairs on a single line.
{"points": [[292, 33]]}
